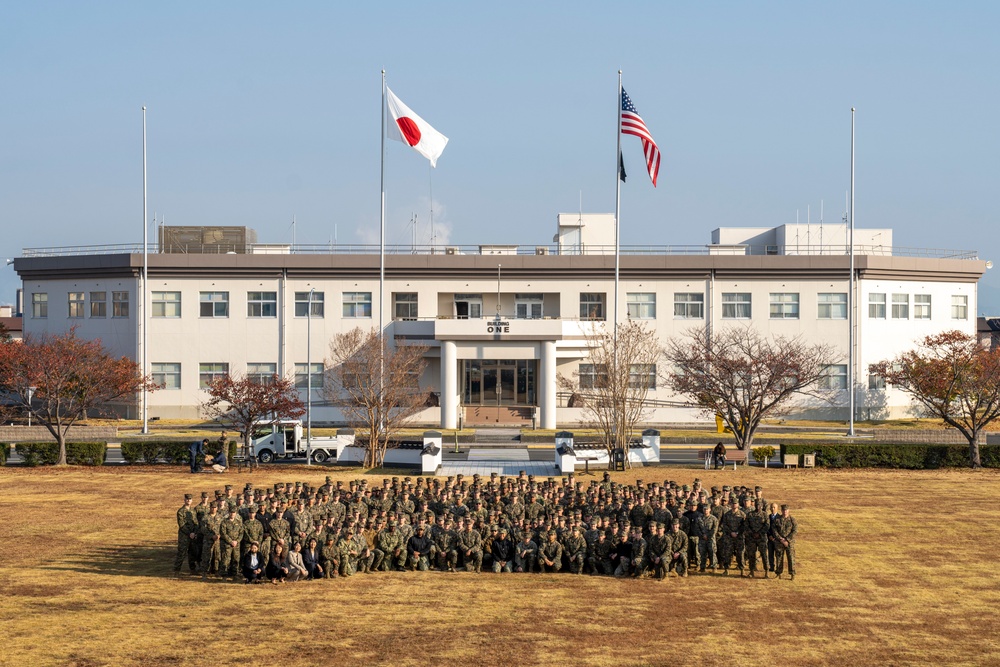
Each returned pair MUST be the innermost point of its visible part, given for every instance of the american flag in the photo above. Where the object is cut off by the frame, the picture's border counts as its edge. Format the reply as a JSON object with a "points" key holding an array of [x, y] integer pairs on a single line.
{"points": [[632, 124]]}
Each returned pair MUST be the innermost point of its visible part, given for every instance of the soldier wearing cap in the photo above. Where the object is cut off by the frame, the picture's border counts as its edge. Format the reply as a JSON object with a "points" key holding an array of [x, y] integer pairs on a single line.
{"points": [[731, 533], [211, 527], [784, 529], [677, 550], [187, 530], [230, 537]]}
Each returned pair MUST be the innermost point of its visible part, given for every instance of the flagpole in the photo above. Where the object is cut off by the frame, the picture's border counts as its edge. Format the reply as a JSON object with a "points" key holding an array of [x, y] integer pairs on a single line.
{"points": [[850, 298], [618, 197], [381, 275], [145, 281]]}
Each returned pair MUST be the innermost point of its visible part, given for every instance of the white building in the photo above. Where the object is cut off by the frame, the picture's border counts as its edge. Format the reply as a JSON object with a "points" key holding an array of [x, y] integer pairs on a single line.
{"points": [[228, 304]]}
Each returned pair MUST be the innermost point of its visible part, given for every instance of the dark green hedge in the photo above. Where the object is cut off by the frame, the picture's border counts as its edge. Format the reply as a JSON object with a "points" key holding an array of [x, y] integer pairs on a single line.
{"points": [[4, 453], [77, 453], [909, 456], [152, 451]]}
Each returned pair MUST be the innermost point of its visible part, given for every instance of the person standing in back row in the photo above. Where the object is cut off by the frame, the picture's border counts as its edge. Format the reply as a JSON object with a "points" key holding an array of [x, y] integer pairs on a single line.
{"points": [[784, 531]]}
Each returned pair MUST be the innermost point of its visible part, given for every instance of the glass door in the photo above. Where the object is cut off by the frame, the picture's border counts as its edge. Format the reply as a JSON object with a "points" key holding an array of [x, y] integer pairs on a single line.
{"points": [[506, 394]]}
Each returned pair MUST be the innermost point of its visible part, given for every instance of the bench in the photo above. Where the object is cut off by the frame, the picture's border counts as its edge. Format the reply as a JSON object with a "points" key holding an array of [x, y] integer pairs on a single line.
{"points": [[248, 462], [733, 456]]}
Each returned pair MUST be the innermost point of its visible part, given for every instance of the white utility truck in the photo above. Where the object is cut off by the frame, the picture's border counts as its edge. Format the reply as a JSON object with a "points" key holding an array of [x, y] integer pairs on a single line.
{"points": [[285, 438]]}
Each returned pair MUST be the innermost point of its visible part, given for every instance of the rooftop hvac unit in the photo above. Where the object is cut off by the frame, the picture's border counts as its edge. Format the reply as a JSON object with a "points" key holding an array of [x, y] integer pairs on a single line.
{"points": [[541, 250], [451, 250]]}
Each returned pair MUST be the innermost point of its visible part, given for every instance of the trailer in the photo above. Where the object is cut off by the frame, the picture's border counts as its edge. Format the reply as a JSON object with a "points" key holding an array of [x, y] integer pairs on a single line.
{"points": [[284, 438]]}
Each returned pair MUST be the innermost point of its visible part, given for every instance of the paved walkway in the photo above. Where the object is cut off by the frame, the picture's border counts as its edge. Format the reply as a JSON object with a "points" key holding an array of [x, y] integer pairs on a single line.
{"points": [[484, 461]]}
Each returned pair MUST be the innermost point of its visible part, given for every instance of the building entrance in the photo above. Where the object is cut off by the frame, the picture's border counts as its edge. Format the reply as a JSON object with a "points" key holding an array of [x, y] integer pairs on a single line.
{"points": [[499, 382]]}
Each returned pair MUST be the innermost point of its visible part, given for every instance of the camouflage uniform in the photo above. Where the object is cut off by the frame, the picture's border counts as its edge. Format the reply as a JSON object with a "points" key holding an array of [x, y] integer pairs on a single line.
{"points": [[348, 549], [187, 525], [784, 530], [330, 558], [210, 528], [678, 543], [471, 547], [600, 558], [445, 551], [707, 528], [253, 531], [731, 538], [575, 550], [757, 528], [230, 532], [525, 554], [659, 554], [551, 551]]}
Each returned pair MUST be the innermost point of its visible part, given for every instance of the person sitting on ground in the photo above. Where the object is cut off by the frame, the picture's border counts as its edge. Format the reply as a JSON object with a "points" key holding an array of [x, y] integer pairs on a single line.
{"points": [[277, 566], [311, 558], [253, 565], [503, 552], [296, 566]]}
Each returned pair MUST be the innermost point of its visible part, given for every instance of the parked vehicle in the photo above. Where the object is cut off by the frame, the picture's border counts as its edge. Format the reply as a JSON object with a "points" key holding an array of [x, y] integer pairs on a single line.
{"points": [[285, 439]]}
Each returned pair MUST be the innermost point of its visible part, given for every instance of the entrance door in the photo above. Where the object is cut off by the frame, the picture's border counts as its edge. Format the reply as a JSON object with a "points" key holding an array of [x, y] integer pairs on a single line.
{"points": [[506, 395], [498, 382]]}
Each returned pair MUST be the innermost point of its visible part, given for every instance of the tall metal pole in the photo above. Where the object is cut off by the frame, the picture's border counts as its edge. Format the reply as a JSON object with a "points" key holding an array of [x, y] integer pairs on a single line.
{"points": [[145, 282], [381, 272], [618, 196], [309, 385], [850, 297]]}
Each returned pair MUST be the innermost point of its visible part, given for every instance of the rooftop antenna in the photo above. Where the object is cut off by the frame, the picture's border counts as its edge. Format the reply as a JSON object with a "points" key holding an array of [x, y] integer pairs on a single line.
{"points": [[808, 229], [821, 226], [413, 221], [293, 230], [796, 231]]}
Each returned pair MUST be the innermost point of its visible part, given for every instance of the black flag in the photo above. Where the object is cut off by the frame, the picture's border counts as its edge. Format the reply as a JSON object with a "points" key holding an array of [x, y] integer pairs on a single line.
{"points": [[621, 168]]}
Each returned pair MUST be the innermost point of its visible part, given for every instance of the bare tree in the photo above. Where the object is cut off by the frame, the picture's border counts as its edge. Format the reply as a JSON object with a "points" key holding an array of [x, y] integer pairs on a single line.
{"points": [[614, 388], [743, 376], [955, 378], [376, 385], [241, 401]]}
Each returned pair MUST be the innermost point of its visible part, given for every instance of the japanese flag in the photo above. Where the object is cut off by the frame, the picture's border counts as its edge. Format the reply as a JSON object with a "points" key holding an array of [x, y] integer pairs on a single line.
{"points": [[413, 130]]}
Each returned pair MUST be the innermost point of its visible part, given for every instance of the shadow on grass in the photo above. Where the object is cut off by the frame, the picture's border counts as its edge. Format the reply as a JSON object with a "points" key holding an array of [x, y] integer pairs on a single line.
{"points": [[133, 560]]}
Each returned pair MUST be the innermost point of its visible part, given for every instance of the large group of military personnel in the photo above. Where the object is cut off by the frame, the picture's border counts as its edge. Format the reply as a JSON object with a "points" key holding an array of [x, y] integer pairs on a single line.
{"points": [[507, 524]]}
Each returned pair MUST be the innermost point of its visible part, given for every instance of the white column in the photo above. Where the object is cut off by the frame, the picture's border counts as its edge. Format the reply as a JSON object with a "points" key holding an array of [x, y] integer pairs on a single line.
{"points": [[449, 384], [547, 385]]}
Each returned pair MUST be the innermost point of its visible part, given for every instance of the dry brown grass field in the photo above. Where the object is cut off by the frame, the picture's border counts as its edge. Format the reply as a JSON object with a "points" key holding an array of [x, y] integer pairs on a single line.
{"points": [[894, 568]]}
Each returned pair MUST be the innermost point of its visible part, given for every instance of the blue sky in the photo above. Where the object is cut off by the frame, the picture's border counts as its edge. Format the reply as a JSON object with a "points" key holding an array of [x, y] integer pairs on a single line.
{"points": [[259, 112]]}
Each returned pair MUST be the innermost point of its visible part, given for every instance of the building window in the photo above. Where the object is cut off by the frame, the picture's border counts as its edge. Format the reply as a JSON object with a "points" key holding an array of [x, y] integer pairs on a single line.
{"points": [[262, 304], [301, 380], [214, 304], [784, 305], [736, 305], [921, 306], [641, 305], [959, 307], [832, 306], [209, 372], [119, 304], [302, 304], [98, 304], [876, 306], [357, 304], [261, 373], [591, 306], [900, 306], [876, 382], [642, 376], [592, 376], [39, 305], [404, 306], [528, 306], [76, 304], [166, 304], [166, 376], [834, 377], [468, 306], [689, 305]]}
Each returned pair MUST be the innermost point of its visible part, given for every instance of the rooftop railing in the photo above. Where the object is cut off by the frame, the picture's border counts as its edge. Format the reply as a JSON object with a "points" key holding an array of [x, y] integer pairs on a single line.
{"points": [[500, 250]]}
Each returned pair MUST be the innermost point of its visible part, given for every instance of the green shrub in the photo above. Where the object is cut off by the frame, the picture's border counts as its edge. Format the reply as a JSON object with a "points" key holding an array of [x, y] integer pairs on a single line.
{"points": [[905, 456], [77, 453], [4, 453], [151, 451], [763, 453]]}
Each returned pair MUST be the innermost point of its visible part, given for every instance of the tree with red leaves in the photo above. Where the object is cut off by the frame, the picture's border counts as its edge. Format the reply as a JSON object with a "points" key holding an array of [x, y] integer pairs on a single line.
{"points": [[744, 377], [60, 379], [242, 401], [954, 378]]}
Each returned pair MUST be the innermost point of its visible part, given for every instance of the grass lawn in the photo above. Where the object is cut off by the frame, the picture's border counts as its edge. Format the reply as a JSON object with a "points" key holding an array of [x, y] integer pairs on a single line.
{"points": [[895, 567]]}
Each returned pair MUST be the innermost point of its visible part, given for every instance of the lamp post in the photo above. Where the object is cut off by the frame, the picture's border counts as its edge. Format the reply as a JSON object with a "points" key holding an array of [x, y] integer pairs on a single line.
{"points": [[31, 394], [309, 319]]}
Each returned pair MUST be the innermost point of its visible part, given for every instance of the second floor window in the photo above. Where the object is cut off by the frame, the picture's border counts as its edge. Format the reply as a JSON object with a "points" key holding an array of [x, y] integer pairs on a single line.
{"points": [[921, 306], [831, 306], [262, 304], [959, 307], [641, 305], [689, 305], [76, 304], [302, 304], [785, 306], [166, 304], [214, 304], [404, 306], [591, 306], [528, 306], [736, 306], [357, 304], [876, 306], [98, 304], [900, 306], [40, 305], [119, 304]]}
